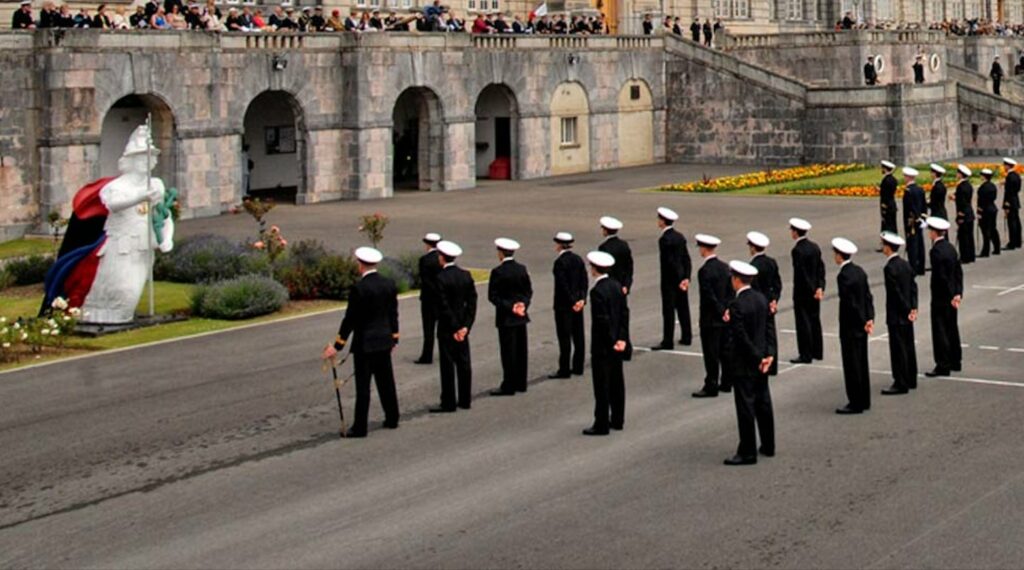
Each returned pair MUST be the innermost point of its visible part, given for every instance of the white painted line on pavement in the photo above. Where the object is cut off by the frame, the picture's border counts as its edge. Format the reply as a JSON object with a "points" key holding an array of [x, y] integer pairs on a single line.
{"points": [[1011, 290], [882, 336], [989, 287], [828, 334], [670, 351], [1015, 349], [965, 345], [986, 347]]}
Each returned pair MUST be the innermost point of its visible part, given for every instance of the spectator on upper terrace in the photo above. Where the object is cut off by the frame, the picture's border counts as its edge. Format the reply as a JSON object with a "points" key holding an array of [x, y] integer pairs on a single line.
{"points": [[139, 20], [22, 18], [48, 16], [83, 19], [351, 23], [193, 19], [708, 32], [848, 21], [376, 22], [119, 19], [453, 23], [919, 69], [335, 23], [158, 21], [560, 26], [318, 23], [648, 25], [543, 25], [666, 25], [518, 27], [65, 19], [432, 13], [500, 25], [677, 26], [170, 4], [150, 8], [305, 17], [281, 20], [259, 23], [234, 22], [211, 8], [695, 30], [480, 25], [176, 19]]}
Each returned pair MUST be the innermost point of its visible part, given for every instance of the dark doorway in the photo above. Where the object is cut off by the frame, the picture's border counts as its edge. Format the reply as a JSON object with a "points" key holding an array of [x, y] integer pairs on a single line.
{"points": [[418, 141], [496, 121], [274, 145], [503, 136]]}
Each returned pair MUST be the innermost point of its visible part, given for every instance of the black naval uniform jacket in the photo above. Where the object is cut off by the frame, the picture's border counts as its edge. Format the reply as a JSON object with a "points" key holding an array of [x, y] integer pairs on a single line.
{"points": [[964, 196], [570, 280], [987, 194], [622, 271], [914, 206], [767, 282], [430, 268], [856, 304], [900, 291], [456, 300], [808, 270], [607, 311], [371, 316], [751, 341], [674, 259], [715, 292], [937, 200], [947, 274], [509, 284], [1011, 191], [870, 74], [887, 202]]}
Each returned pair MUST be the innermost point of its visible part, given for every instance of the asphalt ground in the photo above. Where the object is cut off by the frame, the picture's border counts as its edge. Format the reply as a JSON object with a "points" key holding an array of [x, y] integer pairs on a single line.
{"points": [[221, 451]]}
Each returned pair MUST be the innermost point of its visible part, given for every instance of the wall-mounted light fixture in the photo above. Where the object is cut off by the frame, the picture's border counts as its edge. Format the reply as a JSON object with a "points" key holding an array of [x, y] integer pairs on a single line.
{"points": [[573, 59], [279, 63]]}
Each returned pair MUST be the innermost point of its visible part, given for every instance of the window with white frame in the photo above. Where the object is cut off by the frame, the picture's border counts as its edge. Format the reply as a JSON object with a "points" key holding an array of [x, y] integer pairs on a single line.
{"points": [[375, 3], [795, 10], [1016, 13], [471, 5], [719, 8], [495, 5], [957, 10], [741, 9], [883, 10], [972, 10], [569, 131]]}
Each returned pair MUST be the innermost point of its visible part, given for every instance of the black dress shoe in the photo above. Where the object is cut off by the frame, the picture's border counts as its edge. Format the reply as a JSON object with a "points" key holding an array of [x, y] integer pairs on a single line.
{"points": [[464, 406], [740, 460], [685, 342], [578, 372], [767, 452], [442, 410], [725, 389], [353, 434], [800, 360], [555, 375], [423, 361], [500, 392], [893, 391], [617, 427], [956, 368], [662, 346], [847, 410], [704, 393], [595, 431], [936, 373], [390, 425]]}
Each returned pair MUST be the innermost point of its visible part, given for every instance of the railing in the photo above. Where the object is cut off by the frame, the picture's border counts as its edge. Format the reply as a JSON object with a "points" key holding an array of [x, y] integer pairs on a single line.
{"points": [[274, 41], [800, 39], [494, 42]]}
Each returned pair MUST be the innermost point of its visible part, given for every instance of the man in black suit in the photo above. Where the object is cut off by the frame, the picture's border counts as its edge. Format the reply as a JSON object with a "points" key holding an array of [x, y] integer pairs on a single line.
{"points": [[22, 17], [887, 197], [510, 291], [964, 199], [856, 323], [947, 287], [996, 73], [914, 207], [750, 359], [918, 68], [715, 294], [937, 195], [870, 73], [768, 283], [456, 312], [622, 271], [900, 315], [988, 213], [1011, 203], [808, 291], [675, 281], [570, 297], [430, 267], [372, 319], [607, 345], [695, 30]]}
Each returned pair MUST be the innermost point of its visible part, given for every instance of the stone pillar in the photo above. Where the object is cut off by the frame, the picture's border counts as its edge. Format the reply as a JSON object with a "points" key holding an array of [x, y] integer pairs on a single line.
{"points": [[209, 177], [460, 155], [64, 169], [370, 157], [327, 166], [533, 147], [604, 137]]}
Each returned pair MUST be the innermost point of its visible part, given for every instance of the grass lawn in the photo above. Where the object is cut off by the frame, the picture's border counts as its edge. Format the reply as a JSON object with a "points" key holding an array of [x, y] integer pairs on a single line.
{"points": [[25, 246], [867, 177]]}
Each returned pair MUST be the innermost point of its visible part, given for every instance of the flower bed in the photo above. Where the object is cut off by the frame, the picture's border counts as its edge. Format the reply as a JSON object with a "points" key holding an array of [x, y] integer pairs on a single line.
{"points": [[871, 191], [742, 181]]}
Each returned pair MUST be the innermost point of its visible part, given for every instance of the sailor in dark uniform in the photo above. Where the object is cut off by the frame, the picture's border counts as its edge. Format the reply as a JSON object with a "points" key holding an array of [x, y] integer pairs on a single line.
{"points": [[988, 213], [622, 271], [570, 298], [510, 291], [937, 195], [750, 358], [900, 315], [914, 208], [430, 267], [947, 287], [870, 73], [675, 281], [887, 197], [918, 69], [456, 312], [964, 200], [1011, 203], [808, 291], [768, 283], [856, 323], [372, 320], [715, 294], [607, 345]]}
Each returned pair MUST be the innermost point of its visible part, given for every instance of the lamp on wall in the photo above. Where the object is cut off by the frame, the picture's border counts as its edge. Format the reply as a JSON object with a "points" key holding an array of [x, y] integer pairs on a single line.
{"points": [[573, 59], [279, 63]]}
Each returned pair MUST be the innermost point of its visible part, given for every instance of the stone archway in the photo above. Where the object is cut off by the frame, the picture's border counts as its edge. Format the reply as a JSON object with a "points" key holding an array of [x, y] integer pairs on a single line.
{"points": [[570, 129], [636, 124], [418, 141], [123, 117], [274, 144], [497, 131]]}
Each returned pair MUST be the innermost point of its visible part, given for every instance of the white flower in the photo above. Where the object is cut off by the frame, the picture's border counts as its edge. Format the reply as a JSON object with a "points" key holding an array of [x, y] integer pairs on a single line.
{"points": [[44, 332], [3, 330], [74, 311], [7, 345], [3, 320], [55, 332], [24, 336], [17, 326], [59, 303], [51, 322]]}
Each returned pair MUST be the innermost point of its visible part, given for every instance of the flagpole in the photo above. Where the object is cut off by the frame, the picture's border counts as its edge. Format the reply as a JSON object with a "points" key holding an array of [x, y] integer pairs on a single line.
{"points": [[149, 210]]}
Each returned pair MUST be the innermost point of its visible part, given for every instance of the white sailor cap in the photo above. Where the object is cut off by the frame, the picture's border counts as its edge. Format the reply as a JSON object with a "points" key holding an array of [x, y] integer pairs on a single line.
{"points": [[893, 239], [707, 240], [799, 224], [1009, 161], [887, 165], [937, 223], [506, 244], [668, 214], [369, 255], [937, 169], [743, 268], [610, 223], [601, 259], [564, 237], [449, 249], [910, 171], [758, 239], [26, 2], [845, 246], [432, 238], [962, 168], [986, 172]]}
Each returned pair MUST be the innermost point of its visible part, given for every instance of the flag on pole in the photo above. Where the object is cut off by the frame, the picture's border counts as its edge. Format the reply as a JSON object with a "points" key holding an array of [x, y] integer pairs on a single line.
{"points": [[540, 11]]}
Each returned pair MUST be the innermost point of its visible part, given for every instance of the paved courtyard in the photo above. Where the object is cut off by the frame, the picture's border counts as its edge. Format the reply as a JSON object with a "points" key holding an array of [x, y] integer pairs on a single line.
{"points": [[221, 451]]}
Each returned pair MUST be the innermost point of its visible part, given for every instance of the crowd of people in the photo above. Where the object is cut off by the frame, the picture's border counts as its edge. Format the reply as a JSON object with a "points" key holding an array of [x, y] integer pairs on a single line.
{"points": [[674, 25], [965, 27]]}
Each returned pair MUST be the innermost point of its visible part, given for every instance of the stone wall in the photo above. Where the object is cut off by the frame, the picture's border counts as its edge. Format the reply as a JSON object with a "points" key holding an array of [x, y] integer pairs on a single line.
{"points": [[19, 161], [989, 126]]}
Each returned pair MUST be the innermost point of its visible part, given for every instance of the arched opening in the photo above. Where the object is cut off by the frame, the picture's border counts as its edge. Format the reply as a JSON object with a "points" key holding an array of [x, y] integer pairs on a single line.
{"points": [[274, 147], [418, 141], [123, 117], [636, 124], [497, 119], [570, 129]]}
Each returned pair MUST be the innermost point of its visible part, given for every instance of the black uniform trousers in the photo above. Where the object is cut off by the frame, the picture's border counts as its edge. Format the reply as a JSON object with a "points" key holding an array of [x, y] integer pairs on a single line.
{"points": [[965, 241], [675, 303], [889, 220], [1013, 228], [377, 365], [989, 233], [455, 361], [915, 250], [856, 374], [903, 356], [428, 312], [754, 414], [609, 391], [714, 343], [512, 341], [946, 337], [571, 343], [808, 329]]}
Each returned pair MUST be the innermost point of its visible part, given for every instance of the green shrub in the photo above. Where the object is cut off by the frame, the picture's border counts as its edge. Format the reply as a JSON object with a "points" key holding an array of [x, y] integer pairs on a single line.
{"points": [[28, 270], [411, 263], [239, 298], [396, 271], [309, 271], [335, 275], [207, 259], [6, 279]]}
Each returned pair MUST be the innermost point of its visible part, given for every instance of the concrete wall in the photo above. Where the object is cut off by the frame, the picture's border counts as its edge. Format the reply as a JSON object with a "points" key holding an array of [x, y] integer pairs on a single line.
{"points": [[19, 161], [989, 125]]}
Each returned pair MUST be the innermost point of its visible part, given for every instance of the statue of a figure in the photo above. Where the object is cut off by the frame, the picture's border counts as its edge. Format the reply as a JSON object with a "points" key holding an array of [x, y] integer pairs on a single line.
{"points": [[107, 252]]}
